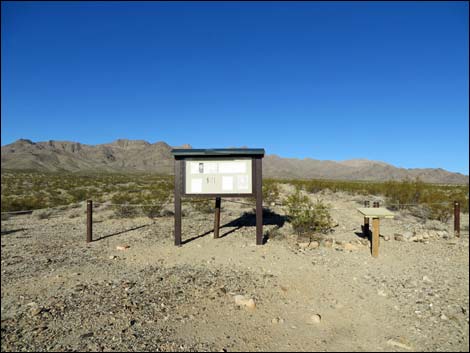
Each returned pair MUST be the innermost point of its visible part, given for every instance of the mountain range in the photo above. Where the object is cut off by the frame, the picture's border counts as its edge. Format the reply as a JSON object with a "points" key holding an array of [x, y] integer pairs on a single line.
{"points": [[125, 155]]}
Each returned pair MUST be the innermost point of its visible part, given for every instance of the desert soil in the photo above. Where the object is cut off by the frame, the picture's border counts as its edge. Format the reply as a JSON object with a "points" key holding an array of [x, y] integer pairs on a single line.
{"points": [[59, 293]]}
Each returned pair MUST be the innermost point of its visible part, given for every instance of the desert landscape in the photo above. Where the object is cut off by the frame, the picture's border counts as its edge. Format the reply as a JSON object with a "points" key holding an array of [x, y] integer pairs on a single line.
{"points": [[131, 289], [234, 176]]}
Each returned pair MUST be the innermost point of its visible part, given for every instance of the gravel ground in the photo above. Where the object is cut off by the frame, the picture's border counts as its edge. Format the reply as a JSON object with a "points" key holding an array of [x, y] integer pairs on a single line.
{"points": [[60, 294]]}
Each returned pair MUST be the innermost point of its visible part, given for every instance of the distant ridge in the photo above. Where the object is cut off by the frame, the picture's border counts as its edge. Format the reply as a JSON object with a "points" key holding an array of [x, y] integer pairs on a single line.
{"points": [[125, 155]]}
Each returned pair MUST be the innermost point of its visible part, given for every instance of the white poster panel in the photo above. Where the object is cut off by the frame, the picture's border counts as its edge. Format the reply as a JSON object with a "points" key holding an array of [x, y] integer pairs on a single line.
{"points": [[196, 185], [227, 183], [232, 167]]}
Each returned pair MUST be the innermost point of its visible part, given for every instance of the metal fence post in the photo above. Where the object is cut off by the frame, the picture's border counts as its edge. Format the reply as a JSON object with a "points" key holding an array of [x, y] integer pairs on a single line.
{"points": [[89, 221], [457, 219]]}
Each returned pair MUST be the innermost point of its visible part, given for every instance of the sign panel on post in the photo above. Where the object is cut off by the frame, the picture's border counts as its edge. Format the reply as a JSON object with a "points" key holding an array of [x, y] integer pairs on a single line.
{"points": [[211, 176], [218, 173]]}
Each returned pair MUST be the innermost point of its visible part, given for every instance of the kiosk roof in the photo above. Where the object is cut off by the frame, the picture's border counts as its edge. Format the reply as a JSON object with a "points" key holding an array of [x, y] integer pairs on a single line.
{"points": [[218, 152]]}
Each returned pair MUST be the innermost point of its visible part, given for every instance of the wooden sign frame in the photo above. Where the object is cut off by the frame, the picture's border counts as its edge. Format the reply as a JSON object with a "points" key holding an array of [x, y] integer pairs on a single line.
{"points": [[182, 155]]}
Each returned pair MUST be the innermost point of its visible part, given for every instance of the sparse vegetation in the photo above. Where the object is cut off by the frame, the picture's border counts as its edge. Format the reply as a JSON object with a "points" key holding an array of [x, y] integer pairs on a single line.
{"points": [[436, 200], [28, 190], [203, 205], [271, 191], [307, 217]]}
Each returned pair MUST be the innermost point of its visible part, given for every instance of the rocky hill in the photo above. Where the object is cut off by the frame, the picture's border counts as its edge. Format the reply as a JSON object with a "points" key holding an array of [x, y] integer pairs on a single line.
{"points": [[141, 156]]}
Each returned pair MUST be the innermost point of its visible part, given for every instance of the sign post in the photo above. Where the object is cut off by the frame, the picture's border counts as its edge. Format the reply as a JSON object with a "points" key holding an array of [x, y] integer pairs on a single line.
{"points": [[218, 173]]}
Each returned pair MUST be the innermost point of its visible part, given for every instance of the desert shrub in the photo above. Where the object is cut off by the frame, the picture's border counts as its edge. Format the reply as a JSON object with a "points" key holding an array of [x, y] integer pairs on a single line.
{"points": [[74, 214], [43, 214], [122, 209], [270, 191], [203, 205], [307, 217]]}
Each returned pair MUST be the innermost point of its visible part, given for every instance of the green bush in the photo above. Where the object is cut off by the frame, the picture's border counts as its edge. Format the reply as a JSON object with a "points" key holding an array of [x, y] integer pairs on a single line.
{"points": [[270, 191], [203, 205], [307, 217]]}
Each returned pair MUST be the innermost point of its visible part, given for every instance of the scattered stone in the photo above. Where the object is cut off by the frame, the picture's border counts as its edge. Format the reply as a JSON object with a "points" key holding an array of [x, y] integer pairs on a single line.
{"points": [[399, 237], [350, 247], [444, 317], [427, 279], [112, 257], [382, 293], [314, 245], [328, 243], [303, 245], [399, 344], [315, 319], [122, 247], [408, 235], [241, 300]]}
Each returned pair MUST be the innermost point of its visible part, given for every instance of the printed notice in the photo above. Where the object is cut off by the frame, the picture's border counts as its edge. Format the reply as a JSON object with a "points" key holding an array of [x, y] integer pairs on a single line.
{"points": [[227, 183], [196, 185], [195, 167], [232, 167], [203, 167], [242, 182]]}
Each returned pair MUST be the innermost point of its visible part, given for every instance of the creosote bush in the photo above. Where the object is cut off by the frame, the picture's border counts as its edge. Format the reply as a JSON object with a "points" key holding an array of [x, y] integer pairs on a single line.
{"points": [[270, 191], [307, 217], [203, 205]]}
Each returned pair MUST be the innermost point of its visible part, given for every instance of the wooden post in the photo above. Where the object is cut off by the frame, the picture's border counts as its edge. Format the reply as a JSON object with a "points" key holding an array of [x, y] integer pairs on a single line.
{"points": [[89, 221], [217, 217], [457, 219], [366, 220], [178, 187], [259, 201], [375, 236]]}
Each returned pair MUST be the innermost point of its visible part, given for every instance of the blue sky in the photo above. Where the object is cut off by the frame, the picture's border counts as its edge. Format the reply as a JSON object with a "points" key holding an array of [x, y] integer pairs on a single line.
{"points": [[337, 80]]}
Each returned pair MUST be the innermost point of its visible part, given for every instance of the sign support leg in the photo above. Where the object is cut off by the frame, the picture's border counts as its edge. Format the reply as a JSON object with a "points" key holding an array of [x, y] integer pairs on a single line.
{"points": [[217, 217], [375, 237], [178, 185], [259, 201]]}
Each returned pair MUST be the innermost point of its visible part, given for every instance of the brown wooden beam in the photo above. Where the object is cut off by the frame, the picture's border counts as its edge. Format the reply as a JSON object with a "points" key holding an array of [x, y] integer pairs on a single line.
{"points": [[178, 187], [217, 217], [375, 236], [259, 201]]}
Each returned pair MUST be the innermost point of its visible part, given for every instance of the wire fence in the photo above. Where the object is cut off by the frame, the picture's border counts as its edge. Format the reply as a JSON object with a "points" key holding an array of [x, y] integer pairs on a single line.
{"points": [[272, 204]]}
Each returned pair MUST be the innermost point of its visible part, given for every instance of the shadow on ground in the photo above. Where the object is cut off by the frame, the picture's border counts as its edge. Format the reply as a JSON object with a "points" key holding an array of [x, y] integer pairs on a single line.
{"points": [[247, 219]]}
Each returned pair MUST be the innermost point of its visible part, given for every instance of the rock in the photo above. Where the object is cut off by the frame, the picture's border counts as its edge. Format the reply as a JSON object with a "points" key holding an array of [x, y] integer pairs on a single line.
{"points": [[241, 300], [314, 245], [35, 311], [444, 317], [365, 242], [415, 239], [426, 235], [350, 247], [399, 344], [328, 243], [427, 279], [407, 235], [303, 245], [399, 237], [386, 237], [112, 257], [122, 247], [315, 319], [382, 293]]}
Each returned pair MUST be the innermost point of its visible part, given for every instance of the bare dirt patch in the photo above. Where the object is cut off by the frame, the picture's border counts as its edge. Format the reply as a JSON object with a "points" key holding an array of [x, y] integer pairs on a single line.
{"points": [[59, 293]]}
